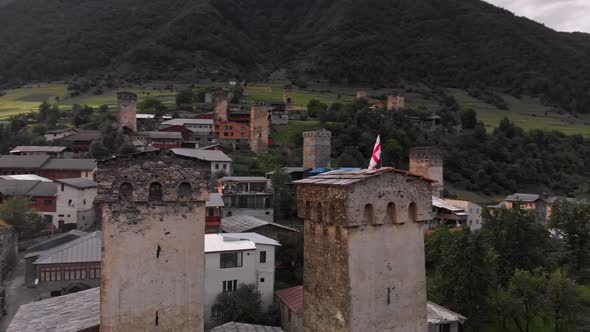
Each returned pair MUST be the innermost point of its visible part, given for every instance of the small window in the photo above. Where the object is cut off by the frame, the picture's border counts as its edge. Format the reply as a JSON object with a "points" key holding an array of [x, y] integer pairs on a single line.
{"points": [[62, 187], [230, 260], [155, 193], [413, 212], [261, 279], [263, 257], [230, 286], [216, 166], [224, 166], [84, 202], [69, 202], [368, 214]]}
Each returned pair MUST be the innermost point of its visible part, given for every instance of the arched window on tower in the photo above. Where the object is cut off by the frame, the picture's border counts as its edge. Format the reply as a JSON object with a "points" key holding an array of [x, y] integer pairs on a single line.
{"points": [[331, 214], [155, 193], [391, 216], [413, 212], [368, 216], [126, 190], [184, 191], [319, 213]]}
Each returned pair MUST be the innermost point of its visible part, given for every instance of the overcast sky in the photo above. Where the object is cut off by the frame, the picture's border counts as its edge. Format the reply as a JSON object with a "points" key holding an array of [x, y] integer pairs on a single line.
{"points": [[561, 15]]}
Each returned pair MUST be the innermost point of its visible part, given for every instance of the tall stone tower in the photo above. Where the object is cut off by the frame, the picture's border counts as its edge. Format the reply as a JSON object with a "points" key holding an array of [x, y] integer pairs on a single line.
{"points": [[428, 162], [127, 107], [317, 149], [221, 104], [288, 96], [259, 129], [153, 223], [364, 250]]}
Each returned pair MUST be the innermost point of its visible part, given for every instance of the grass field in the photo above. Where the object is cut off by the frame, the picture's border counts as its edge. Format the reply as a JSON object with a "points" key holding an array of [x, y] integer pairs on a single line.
{"points": [[528, 113]]}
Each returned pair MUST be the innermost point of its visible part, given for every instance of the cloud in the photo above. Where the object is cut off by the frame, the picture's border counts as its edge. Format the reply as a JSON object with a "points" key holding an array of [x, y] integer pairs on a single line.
{"points": [[561, 15]]}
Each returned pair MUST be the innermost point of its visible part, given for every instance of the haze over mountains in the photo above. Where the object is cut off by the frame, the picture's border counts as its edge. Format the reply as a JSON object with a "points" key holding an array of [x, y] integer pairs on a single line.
{"points": [[451, 43]]}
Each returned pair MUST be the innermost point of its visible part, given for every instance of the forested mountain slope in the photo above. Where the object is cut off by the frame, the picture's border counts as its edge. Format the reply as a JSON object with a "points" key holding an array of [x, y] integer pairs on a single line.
{"points": [[452, 43]]}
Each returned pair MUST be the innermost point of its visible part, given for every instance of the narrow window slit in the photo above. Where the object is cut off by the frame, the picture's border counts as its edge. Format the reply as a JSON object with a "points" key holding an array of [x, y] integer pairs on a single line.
{"points": [[158, 251], [157, 318]]}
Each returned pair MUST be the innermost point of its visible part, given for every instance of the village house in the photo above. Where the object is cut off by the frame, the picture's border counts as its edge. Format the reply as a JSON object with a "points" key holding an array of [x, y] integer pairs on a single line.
{"points": [[445, 213], [13, 164], [53, 135], [474, 211], [250, 224], [51, 151], [232, 132], [540, 204], [158, 139], [247, 195], [202, 128], [221, 164], [80, 141], [46, 167], [42, 195], [235, 259], [70, 267], [75, 200]]}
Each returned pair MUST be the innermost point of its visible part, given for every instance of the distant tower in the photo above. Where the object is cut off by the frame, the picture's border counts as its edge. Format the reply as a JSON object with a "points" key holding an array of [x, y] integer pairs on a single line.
{"points": [[395, 102], [288, 96], [428, 162], [364, 251], [317, 149], [127, 107], [153, 223], [259, 129], [221, 104]]}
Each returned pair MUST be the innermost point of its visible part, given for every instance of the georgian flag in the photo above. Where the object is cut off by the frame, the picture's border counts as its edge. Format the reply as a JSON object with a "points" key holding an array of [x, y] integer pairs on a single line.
{"points": [[376, 155]]}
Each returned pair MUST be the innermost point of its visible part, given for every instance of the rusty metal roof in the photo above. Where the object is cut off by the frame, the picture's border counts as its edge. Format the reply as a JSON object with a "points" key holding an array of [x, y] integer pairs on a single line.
{"points": [[292, 297], [348, 177]]}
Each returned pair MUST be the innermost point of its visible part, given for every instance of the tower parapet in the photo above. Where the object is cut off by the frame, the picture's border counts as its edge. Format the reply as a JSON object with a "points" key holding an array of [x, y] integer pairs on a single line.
{"points": [[428, 162]]}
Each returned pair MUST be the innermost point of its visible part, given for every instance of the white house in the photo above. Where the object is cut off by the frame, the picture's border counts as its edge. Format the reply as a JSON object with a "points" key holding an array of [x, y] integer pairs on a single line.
{"points": [[75, 199], [474, 220], [232, 259], [198, 126], [220, 162]]}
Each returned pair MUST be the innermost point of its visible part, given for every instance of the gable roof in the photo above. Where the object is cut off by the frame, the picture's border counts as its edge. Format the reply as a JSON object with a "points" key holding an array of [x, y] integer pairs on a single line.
{"points": [[70, 164], [27, 188], [293, 298], [180, 122], [16, 161], [236, 242], [518, 197], [80, 183], [241, 224], [20, 177], [241, 327], [31, 148], [68, 313], [84, 249], [82, 136], [164, 134], [345, 177], [215, 200], [207, 155], [73, 234], [440, 315]]}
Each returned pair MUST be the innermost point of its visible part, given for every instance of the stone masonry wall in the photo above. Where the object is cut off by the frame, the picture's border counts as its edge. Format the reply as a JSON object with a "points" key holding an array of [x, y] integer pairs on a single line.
{"points": [[259, 129], [127, 106], [317, 149], [428, 162], [153, 247]]}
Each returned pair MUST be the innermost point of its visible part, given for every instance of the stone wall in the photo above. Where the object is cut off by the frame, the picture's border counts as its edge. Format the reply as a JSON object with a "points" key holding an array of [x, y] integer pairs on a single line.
{"points": [[428, 162], [153, 223], [317, 149], [364, 254]]}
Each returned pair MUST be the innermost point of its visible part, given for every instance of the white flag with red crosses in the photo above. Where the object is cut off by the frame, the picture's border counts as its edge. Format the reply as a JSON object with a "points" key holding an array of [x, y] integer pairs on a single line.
{"points": [[376, 155]]}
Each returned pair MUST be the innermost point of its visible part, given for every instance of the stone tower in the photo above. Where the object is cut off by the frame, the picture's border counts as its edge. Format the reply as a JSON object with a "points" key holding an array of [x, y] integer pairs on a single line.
{"points": [[127, 107], [316, 149], [288, 95], [364, 250], [259, 129], [221, 104], [428, 162], [395, 102], [153, 223]]}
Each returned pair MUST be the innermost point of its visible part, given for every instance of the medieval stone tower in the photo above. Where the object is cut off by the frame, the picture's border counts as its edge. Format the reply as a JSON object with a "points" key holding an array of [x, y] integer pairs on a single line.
{"points": [[364, 251], [316, 149], [153, 223], [127, 107], [395, 102], [259, 129], [428, 162], [221, 104], [288, 96]]}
